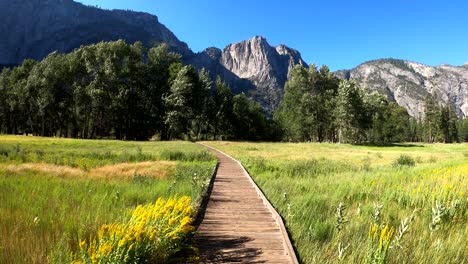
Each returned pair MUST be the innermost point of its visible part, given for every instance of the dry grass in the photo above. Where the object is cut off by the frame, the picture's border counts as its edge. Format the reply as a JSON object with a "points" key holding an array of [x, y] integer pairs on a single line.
{"points": [[152, 169], [121, 171]]}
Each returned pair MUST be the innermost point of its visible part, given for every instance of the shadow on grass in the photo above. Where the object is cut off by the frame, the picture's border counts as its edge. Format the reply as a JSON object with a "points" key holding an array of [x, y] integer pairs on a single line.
{"points": [[401, 145]]}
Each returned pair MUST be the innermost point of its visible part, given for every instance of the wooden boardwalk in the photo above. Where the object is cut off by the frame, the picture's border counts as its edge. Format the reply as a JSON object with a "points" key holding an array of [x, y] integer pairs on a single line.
{"points": [[239, 224]]}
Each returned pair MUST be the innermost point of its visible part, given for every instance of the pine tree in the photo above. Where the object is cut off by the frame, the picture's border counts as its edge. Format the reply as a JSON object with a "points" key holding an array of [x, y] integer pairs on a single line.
{"points": [[431, 119], [177, 102]]}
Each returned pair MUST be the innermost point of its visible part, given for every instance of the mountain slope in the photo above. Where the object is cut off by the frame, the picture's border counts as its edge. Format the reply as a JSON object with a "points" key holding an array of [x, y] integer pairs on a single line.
{"points": [[252, 65], [408, 83], [35, 28]]}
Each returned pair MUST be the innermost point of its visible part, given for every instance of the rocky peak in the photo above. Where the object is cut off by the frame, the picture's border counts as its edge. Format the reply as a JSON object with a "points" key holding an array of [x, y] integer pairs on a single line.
{"points": [[253, 66], [408, 83], [249, 59], [213, 53]]}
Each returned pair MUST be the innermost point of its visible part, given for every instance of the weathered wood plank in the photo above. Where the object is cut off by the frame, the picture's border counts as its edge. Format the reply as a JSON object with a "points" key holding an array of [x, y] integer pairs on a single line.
{"points": [[239, 224]]}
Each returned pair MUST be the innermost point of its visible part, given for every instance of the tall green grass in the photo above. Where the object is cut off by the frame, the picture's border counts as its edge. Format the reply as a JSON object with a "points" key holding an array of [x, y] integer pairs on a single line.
{"points": [[94, 153], [43, 215], [331, 195]]}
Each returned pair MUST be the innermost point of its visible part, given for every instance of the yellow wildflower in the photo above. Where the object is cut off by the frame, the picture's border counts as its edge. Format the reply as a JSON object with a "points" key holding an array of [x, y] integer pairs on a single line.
{"points": [[386, 236], [105, 249], [83, 244], [373, 231]]}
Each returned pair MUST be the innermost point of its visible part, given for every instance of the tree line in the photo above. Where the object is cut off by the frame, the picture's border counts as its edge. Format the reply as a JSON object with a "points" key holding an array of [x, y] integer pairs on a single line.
{"points": [[319, 107], [116, 90]]}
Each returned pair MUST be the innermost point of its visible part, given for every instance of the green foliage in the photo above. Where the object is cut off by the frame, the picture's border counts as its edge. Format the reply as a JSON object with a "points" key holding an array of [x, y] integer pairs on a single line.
{"points": [[441, 123], [116, 90], [462, 129], [221, 110], [306, 111], [404, 160], [248, 119], [318, 107], [121, 91], [178, 102]]}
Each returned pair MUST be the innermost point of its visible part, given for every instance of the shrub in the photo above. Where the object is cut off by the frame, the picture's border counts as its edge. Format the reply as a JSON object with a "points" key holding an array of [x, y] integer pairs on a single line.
{"points": [[404, 160], [432, 159], [154, 233]]}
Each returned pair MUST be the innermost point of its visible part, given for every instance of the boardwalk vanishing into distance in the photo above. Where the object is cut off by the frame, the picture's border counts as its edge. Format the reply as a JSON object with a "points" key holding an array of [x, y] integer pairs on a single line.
{"points": [[239, 224]]}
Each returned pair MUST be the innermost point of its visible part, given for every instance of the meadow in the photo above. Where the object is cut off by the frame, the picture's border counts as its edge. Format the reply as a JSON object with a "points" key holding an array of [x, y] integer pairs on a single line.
{"points": [[56, 193], [365, 204]]}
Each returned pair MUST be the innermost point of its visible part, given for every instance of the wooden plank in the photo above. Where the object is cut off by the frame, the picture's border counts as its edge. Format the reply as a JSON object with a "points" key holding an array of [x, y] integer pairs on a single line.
{"points": [[239, 224]]}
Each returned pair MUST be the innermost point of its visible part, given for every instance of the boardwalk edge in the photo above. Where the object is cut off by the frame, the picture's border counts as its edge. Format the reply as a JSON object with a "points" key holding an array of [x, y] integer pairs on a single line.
{"points": [[276, 216], [201, 210]]}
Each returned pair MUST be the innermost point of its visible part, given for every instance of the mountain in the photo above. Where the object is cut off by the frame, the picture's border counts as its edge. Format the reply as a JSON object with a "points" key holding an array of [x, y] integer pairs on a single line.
{"points": [[408, 83], [35, 28], [252, 66]]}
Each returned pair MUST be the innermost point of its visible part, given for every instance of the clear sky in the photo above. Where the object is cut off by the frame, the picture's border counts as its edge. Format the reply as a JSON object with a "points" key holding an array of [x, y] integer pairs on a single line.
{"points": [[339, 33]]}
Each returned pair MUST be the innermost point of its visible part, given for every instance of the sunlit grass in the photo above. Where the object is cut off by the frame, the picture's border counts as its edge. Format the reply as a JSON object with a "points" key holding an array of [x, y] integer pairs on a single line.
{"points": [[307, 182], [424, 153], [57, 191], [88, 154], [114, 172]]}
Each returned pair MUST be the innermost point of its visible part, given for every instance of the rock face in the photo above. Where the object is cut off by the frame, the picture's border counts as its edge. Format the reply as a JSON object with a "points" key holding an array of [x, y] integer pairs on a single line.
{"points": [[408, 83], [35, 28], [252, 66]]}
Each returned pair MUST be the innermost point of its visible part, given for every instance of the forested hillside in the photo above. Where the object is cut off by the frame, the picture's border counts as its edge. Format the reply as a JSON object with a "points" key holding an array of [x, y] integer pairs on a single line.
{"points": [[116, 90], [35, 28]]}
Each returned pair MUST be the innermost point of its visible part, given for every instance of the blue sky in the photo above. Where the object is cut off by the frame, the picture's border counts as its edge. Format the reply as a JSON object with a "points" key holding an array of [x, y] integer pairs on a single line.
{"points": [[341, 34]]}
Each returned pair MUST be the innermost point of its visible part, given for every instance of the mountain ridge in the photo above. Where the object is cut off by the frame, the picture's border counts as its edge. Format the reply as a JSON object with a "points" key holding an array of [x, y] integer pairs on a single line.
{"points": [[35, 28]]}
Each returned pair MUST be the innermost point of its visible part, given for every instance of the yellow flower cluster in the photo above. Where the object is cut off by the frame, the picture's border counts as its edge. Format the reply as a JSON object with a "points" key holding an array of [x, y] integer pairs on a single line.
{"points": [[447, 184], [154, 232], [386, 236], [379, 243], [383, 235], [441, 184]]}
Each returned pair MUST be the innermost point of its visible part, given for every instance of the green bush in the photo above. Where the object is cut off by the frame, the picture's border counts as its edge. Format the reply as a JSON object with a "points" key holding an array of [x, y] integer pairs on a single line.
{"points": [[404, 160]]}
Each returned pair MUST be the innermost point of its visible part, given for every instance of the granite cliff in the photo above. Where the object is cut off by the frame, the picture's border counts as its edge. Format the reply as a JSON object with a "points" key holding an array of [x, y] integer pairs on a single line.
{"points": [[252, 66], [35, 28], [408, 83]]}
